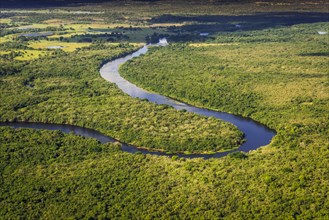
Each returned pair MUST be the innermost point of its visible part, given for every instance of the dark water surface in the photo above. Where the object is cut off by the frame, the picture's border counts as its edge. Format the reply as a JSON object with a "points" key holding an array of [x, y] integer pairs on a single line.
{"points": [[256, 134]]}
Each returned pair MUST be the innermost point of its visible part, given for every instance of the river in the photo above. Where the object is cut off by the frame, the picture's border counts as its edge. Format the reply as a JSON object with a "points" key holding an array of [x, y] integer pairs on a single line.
{"points": [[256, 134]]}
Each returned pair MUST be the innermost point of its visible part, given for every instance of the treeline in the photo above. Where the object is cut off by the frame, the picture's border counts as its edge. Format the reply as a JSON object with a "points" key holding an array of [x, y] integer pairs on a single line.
{"points": [[299, 33], [109, 37], [7, 31]]}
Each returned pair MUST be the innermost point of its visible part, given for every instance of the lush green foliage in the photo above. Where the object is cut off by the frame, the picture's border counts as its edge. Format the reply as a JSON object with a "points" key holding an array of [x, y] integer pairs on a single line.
{"points": [[48, 175], [279, 83], [278, 76], [66, 88]]}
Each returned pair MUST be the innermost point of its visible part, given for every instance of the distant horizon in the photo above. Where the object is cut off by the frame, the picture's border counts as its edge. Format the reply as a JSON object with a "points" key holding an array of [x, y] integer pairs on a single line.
{"points": [[72, 3]]}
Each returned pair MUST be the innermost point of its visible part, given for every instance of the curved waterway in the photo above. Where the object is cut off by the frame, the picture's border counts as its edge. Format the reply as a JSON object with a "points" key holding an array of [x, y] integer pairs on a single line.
{"points": [[256, 134]]}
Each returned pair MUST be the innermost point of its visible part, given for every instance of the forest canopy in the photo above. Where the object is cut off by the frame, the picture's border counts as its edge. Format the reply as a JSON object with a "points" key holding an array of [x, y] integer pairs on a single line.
{"points": [[266, 60]]}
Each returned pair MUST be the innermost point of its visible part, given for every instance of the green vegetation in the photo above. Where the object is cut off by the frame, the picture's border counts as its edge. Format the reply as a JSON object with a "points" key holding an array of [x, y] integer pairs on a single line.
{"points": [[276, 76], [66, 88], [281, 82], [49, 175], [272, 68], [67, 47]]}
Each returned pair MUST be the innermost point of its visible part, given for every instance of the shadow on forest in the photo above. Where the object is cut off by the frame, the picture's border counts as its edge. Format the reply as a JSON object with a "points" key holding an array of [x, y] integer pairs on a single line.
{"points": [[257, 21], [205, 25]]}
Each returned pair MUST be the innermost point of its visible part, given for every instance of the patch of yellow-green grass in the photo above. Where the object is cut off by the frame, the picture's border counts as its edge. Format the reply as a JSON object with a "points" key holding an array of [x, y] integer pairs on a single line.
{"points": [[137, 44], [19, 17], [76, 28], [5, 20], [107, 25], [57, 21], [37, 25], [49, 11], [85, 27], [65, 35], [169, 24], [210, 44], [7, 38], [24, 11], [134, 44], [4, 39], [31, 54], [4, 52], [98, 19], [100, 25], [67, 46], [134, 36], [54, 23]]}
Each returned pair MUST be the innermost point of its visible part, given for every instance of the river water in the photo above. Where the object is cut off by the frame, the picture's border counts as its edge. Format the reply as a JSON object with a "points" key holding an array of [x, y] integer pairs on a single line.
{"points": [[256, 134]]}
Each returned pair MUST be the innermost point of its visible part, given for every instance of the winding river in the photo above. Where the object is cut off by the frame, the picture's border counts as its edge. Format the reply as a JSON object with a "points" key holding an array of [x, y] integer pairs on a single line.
{"points": [[256, 134]]}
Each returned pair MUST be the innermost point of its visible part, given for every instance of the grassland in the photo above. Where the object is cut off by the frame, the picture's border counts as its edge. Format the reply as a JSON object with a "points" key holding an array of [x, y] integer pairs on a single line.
{"points": [[67, 46], [23, 55], [30, 54], [5, 39], [5, 20]]}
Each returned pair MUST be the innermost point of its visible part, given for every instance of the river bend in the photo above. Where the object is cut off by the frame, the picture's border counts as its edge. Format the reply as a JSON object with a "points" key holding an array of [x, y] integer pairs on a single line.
{"points": [[256, 134]]}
